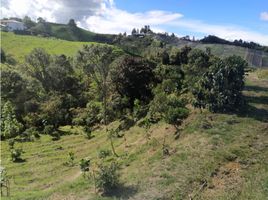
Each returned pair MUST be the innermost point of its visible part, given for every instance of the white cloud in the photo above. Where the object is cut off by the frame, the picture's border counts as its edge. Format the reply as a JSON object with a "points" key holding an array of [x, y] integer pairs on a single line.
{"points": [[113, 20], [52, 10], [264, 16], [228, 32], [103, 16]]}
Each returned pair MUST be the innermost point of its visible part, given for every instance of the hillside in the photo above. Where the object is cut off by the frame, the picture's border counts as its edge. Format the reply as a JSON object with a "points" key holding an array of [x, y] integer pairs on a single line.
{"points": [[217, 156], [255, 58], [21, 45], [65, 32]]}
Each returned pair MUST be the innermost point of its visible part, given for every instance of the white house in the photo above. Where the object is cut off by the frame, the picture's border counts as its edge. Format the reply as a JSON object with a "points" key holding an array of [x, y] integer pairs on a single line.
{"points": [[12, 25]]}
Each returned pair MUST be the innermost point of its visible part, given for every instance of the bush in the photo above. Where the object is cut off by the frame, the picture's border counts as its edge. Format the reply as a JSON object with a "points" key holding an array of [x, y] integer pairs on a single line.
{"points": [[48, 129], [107, 177], [88, 132], [220, 89], [11, 143], [139, 110], [71, 158], [29, 135], [104, 153], [55, 135], [16, 155], [84, 165]]}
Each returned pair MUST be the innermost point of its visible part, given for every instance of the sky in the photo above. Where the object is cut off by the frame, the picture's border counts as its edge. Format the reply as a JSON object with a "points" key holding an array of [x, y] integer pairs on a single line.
{"points": [[228, 19]]}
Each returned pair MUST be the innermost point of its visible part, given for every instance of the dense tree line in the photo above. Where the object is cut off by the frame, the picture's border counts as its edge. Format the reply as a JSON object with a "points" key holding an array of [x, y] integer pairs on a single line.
{"points": [[102, 84], [211, 39]]}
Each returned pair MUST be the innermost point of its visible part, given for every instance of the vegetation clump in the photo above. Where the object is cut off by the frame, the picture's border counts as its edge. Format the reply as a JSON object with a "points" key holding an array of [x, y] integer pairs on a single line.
{"points": [[107, 177]]}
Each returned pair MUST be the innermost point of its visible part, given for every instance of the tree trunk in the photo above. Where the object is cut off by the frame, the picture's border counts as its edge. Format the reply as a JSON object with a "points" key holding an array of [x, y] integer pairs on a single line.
{"points": [[112, 145]]}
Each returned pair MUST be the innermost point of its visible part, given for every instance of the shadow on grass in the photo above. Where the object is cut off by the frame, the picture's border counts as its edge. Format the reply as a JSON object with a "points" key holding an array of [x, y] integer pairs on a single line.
{"points": [[19, 160], [250, 111], [255, 88], [257, 100], [122, 192]]}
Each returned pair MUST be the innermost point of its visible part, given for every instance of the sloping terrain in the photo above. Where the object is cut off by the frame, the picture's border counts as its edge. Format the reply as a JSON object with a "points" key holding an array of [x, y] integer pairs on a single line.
{"points": [[18, 46], [64, 32], [255, 58], [217, 156]]}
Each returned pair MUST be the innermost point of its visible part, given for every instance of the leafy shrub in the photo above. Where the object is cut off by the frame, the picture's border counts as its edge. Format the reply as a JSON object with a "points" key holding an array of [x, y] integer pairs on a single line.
{"points": [[88, 132], [139, 110], [84, 164], [168, 107], [29, 135], [48, 129], [107, 177], [220, 89], [16, 155], [11, 143], [71, 158], [10, 126], [104, 153], [55, 135]]}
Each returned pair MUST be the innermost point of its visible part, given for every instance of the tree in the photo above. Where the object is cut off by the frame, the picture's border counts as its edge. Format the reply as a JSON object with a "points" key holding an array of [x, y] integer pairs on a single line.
{"points": [[96, 61], [167, 103], [133, 77], [133, 31], [165, 58], [198, 64], [12, 85], [220, 88], [71, 23], [169, 107], [10, 126], [42, 27], [37, 63], [40, 20], [28, 22]]}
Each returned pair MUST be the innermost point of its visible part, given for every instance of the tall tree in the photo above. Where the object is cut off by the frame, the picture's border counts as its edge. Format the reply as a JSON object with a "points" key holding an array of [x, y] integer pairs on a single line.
{"points": [[96, 61], [37, 63]]}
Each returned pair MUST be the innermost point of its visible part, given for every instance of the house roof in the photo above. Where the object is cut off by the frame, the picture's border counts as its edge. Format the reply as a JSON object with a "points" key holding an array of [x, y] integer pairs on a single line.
{"points": [[9, 20]]}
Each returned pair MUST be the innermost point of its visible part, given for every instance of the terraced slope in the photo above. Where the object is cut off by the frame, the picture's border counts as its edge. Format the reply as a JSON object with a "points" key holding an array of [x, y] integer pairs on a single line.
{"points": [[217, 156]]}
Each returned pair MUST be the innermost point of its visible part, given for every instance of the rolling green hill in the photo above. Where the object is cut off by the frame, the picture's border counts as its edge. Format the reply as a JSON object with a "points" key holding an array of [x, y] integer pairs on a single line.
{"points": [[21, 45], [65, 32], [217, 156]]}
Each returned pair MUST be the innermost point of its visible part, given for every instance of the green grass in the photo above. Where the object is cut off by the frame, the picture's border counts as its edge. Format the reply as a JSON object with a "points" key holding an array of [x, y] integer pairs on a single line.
{"points": [[209, 146], [21, 45]]}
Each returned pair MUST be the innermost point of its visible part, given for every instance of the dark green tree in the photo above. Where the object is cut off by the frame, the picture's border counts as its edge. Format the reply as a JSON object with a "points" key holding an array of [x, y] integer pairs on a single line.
{"points": [[28, 22], [71, 23], [37, 63], [133, 78]]}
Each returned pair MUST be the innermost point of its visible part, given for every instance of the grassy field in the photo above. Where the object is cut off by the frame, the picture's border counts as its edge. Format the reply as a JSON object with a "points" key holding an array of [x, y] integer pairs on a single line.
{"points": [[19, 45], [217, 156]]}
